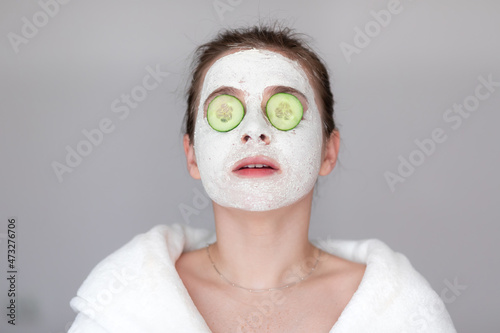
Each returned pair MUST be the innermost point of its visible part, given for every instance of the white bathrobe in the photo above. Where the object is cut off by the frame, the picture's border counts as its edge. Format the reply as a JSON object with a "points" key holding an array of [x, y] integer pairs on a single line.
{"points": [[137, 289]]}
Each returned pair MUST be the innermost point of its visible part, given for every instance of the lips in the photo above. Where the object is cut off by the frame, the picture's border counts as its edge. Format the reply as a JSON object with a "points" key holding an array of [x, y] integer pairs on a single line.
{"points": [[256, 167]]}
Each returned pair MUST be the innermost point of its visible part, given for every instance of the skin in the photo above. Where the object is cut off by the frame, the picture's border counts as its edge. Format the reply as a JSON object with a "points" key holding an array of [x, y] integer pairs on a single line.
{"points": [[268, 248]]}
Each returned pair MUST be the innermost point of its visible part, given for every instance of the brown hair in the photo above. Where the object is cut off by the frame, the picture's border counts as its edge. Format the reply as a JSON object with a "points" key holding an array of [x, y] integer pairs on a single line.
{"points": [[275, 38]]}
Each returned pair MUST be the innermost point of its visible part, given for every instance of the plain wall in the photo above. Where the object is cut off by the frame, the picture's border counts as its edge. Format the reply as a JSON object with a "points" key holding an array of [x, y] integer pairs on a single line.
{"points": [[395, 88]]}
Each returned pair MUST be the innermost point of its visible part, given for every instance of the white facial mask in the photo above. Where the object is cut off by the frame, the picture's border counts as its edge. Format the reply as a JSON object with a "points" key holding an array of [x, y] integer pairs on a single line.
{"points": [[298, 151]]}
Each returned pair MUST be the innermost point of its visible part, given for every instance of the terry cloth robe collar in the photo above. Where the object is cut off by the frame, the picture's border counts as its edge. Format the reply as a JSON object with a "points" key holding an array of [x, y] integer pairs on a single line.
{"points": [[137, 289]]}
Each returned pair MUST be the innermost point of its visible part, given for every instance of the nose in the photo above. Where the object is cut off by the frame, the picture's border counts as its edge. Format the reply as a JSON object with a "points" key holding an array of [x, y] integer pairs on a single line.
{"points": [[254, 128], [262, 138]]}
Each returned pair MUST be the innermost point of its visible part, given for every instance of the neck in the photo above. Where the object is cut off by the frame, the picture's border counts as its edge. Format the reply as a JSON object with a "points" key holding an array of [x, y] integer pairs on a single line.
{"points": [[260, 250]]}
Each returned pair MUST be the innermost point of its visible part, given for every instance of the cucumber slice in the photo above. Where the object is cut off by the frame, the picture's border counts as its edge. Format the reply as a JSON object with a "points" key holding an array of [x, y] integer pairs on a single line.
{"points": [[284, 111], [225, 112]]}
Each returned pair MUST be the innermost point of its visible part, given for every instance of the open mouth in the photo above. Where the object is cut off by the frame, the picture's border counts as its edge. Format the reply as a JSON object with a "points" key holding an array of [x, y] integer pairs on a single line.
{"points": [[258, 166]]}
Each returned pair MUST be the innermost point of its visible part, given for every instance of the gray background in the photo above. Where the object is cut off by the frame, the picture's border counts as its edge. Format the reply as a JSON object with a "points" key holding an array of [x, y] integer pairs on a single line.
{"points": [[443, 217]]}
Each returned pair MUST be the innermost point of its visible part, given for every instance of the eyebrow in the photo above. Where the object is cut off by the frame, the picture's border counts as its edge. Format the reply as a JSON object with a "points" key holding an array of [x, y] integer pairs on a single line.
{"points": [[289, 90], [220, 91]]}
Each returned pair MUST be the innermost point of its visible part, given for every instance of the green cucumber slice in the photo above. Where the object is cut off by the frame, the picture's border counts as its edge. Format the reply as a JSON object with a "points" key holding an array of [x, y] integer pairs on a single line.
{"points": [[284, 111], [225, 112]]}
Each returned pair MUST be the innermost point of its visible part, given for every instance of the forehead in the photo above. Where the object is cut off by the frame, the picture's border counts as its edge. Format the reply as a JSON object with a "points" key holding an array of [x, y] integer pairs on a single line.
{"points": [[253, 71]]}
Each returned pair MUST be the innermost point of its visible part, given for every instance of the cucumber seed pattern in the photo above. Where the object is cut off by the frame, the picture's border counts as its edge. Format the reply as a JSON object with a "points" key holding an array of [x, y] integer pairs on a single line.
{"points": [[225, 113], [284, 111]]}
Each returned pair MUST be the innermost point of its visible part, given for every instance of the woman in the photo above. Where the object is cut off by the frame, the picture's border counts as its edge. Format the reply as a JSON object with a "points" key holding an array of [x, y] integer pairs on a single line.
{"points": [[259, 131]]}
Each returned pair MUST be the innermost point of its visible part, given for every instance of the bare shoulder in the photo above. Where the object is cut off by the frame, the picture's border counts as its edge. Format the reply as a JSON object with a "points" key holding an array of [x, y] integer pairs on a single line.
{"points": [[341, 276], [342, 266], [192, 267], [190, 262]]}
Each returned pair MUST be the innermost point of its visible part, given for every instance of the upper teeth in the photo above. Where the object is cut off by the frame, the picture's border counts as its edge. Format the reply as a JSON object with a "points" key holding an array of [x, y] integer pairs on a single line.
{"points": [[256, 166]]}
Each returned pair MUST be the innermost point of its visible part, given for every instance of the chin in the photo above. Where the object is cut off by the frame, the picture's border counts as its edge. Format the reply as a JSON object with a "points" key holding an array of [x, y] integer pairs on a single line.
{"points": [[257, 204]]}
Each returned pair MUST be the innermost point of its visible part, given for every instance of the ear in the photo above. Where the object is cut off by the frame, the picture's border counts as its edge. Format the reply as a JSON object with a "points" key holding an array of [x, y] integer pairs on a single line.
{"points": [[192, 166], [330, 154]]}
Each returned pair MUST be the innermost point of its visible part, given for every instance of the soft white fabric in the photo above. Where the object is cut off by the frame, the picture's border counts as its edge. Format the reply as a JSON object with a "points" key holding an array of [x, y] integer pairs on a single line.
{"points": [[137, 289]]}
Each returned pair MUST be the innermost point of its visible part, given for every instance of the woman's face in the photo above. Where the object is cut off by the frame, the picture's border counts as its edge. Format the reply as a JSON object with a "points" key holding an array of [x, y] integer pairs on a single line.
{"points": [[253, 76]]}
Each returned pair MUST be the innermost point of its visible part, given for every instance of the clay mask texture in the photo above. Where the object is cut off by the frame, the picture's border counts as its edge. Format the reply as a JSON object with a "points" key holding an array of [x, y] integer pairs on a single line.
{"points": [[297, 151]]}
